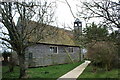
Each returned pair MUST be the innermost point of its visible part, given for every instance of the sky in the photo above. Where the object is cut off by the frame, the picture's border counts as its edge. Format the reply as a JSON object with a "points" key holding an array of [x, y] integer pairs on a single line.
{"points": [[64, 16], [63, 13]]}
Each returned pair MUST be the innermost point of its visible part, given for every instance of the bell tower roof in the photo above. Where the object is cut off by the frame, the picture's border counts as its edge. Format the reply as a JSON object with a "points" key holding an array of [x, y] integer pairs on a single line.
{"points": [[77, 20], [77, 23]]}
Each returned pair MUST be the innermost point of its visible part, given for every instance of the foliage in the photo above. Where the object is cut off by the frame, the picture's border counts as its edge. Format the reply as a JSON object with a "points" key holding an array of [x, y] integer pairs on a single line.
{"points": [[88, 73], [43, 72], [95, 33], [103, 54], [115, 36], [107, 11], [102, 48], [5, 55]]}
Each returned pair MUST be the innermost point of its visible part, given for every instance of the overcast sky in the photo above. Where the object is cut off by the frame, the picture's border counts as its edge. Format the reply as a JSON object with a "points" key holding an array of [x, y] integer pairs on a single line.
{"points": [[63, 13]]}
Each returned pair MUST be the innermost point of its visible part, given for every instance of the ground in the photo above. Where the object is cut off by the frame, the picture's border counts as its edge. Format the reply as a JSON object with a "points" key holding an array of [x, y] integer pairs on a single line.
{"points": [[56, 71], [100, 73], [43, 72]]}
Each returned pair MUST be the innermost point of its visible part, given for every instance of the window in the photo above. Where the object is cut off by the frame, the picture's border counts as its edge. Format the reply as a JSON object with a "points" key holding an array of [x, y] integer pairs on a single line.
{"points": [[53, 49], [80, 24], [76, 25], [70, 49], [30, 55]]}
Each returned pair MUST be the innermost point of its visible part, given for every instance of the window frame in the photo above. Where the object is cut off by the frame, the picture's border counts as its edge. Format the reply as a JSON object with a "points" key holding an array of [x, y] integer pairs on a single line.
{"points": [[71, 51], [30, 55], [53, 50]]}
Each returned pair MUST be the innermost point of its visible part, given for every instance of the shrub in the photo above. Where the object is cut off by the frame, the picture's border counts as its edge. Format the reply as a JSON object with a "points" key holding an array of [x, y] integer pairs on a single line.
{"points": [[5, 56], [103, 54]]}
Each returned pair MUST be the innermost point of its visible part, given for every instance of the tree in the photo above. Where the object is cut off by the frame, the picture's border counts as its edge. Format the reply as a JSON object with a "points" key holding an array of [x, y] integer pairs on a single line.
{"points": [[8, 60], [102, 50], [108, 10], [114, 36], [5, 55], [103, 54], [94, 33], [25, 30]]}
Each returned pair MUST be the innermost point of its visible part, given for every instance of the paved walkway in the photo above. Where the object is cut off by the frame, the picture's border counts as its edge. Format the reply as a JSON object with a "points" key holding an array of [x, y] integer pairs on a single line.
{"points": [[74, 74]]}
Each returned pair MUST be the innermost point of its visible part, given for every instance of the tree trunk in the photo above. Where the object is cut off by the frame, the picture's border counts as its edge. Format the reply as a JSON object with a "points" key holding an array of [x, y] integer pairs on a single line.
{"points": [[106, 67], [5, 61], [22, 66], [11, 64]]}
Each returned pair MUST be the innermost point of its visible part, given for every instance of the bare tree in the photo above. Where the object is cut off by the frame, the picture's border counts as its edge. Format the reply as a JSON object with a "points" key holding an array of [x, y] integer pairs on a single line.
{"points": [[23, 31], [108, 10]]}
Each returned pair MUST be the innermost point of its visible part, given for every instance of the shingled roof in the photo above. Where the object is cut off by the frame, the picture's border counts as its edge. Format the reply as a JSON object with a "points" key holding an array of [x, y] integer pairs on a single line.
{"points": [[63, 37], [50, 34]]}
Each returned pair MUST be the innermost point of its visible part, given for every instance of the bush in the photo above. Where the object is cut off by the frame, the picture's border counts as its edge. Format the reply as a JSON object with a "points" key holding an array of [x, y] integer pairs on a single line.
{"points": [[5, 56], [103, 54]]}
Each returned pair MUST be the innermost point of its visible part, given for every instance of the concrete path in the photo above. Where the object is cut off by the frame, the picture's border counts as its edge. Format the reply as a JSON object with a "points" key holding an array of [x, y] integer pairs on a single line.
{"points": [[74, 74]]}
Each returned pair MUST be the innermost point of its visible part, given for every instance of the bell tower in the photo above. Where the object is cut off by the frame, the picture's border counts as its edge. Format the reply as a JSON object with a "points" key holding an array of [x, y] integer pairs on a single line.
{"points": [[77, 29]]}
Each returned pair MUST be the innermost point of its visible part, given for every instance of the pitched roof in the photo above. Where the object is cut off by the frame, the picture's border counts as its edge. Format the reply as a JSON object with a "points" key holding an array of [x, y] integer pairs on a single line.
{"points": [[49, 34], [61, 36]]}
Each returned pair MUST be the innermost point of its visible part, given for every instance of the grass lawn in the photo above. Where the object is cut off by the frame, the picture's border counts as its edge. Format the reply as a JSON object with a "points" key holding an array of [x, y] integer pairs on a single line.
{"points": [[88, 73], [42, 72]]}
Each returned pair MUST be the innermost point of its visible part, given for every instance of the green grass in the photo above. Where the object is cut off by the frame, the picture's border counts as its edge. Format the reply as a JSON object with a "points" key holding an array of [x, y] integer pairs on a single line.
{"points": [[100, 73], [13, 74], [42, 72]]}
